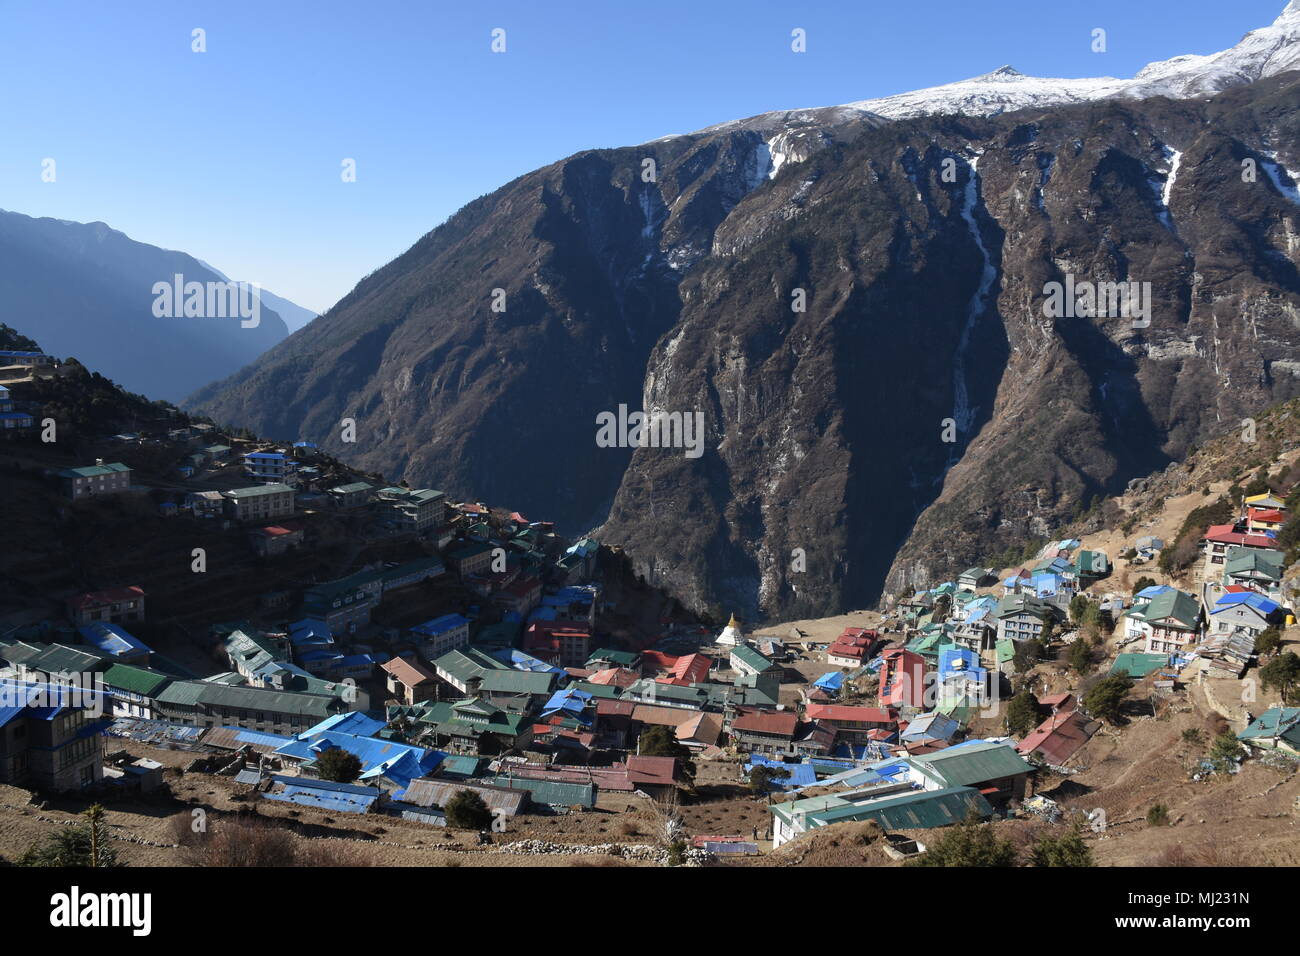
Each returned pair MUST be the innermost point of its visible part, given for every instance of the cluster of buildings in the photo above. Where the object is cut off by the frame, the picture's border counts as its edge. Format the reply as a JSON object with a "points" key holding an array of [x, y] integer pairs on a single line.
{"points": [[512, 691], [17, 366], [13, 420], [953, 648]]}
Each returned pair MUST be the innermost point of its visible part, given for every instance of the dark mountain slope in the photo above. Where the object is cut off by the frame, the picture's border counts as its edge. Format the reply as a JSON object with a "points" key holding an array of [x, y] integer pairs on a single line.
{"points": [[923, 247], [503, 404]]}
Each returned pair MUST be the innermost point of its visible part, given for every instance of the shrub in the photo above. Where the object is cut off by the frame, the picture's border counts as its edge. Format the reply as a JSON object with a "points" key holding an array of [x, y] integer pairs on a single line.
{"points": [[1106, 698], [1065, 850], [968, 844], [467, 811], [338, 765]]}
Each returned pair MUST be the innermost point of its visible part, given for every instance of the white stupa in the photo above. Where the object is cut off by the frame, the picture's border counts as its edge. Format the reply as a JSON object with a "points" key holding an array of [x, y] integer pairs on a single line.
{"points": [[731, 636]]}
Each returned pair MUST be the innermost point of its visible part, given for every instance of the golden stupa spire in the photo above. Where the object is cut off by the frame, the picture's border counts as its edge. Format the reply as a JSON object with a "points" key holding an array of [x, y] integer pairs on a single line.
{"points": [[733, 622]]}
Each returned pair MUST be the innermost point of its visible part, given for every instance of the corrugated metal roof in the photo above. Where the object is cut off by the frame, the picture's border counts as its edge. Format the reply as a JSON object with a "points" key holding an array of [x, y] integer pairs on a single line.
{"points": [[913, 811], [322, 794], [1138, 665], [550, 792], [135, 679], [434, 792], [973, 763]]}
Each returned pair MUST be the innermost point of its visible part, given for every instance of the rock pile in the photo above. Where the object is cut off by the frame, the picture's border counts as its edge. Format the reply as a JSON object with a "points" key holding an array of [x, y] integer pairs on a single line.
{"points": [[627, 851]]}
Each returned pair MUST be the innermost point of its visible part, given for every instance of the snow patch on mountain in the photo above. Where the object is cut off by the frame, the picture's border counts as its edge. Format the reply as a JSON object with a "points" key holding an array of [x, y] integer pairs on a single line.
{"points": [[1164, 188], [1276, 171], [794, 135], [963, 413]]}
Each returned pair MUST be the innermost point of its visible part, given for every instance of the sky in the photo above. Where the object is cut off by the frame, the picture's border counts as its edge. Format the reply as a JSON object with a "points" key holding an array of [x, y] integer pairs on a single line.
{"points": [[235, 154]]}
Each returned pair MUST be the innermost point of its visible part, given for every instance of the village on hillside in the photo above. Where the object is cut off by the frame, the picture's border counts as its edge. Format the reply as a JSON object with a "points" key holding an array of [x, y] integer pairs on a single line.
{"points": [[491, 682]]}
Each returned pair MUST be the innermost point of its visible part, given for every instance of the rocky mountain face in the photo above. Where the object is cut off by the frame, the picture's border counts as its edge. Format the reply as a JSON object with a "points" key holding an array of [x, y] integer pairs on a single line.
{"points": [[856, 309], [86, 291], [501, 404]]}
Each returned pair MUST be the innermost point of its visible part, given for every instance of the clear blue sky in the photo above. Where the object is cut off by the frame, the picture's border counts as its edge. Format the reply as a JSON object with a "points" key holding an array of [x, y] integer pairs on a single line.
{"points": [[234, 155]]}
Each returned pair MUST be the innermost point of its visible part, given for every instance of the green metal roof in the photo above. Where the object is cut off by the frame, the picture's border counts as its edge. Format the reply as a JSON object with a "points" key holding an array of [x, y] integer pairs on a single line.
{"points": [[617, 658], [1091, 562], [603, 691], [1281, 722], [443, 717], [551, 792], [518, 682], [1262, 560], [138, 680], [51, 658], [93, 471], [913, 811], [183, 693], [1138, 665], [751, 658], [1178, 605], [257, 491], [1013, 604], [972, 763], [467, 664], [190, 693], [353, 488]]}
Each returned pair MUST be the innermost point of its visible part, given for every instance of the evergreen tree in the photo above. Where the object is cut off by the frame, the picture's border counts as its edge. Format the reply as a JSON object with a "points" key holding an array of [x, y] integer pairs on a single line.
{"points": [[1282, 673], [467, 811], [1022, 714], [1081, 656], [338, 765], [660, 741], [1106, 698], [969, 843], [85, 845], [1066, 850]]}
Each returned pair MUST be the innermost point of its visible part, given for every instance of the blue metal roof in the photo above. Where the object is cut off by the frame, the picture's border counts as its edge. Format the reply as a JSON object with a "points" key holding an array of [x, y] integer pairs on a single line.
{"points": [[111, 639], [832, 680], [441, 625], [40, 700], [323, 794], [259, 737], [800, 774], [389, 759], [1257, 601], [959, 660], [525, 662], [570, 700], [354, 722], [1154, 591]]}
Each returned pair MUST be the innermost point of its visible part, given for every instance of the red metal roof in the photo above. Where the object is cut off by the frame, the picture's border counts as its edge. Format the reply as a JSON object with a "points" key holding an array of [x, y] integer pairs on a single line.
{"points": [[1225, 534], [111, 596], [869, 715], [780, 723], [410, 673], [1056, 738], [661, 770], [614, 708]]}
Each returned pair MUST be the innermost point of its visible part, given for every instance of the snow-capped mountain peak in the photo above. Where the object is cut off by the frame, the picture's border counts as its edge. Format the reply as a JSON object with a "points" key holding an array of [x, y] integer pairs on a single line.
{"points": [[1261, 53]]}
